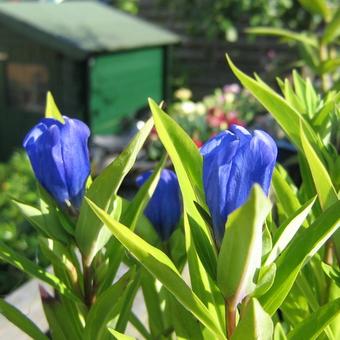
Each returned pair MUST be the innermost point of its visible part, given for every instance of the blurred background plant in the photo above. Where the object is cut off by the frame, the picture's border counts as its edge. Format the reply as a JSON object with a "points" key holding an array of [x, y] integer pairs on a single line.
{"points": [[129, 6], [229, 16], [318, 45], [16, 180], [214, 113]]}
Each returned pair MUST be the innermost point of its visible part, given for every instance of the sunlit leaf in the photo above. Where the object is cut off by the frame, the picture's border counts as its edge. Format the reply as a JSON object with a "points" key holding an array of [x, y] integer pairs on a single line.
{"points": [[20, 320], [51, 109], [159, 265]]}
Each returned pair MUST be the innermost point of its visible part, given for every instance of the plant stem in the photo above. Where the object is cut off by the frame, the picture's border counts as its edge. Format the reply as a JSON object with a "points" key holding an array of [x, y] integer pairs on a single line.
{"points": [[329, 259], [87, 283], [230, 316], [325, 78], [329, 252]]}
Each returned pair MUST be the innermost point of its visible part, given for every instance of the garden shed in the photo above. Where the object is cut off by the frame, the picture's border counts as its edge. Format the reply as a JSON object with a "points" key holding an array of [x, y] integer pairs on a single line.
{"points": [[99, 63]]}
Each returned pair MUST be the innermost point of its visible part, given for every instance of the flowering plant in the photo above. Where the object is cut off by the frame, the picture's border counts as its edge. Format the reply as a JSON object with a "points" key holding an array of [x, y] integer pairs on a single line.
{"points": [[254, 272]]}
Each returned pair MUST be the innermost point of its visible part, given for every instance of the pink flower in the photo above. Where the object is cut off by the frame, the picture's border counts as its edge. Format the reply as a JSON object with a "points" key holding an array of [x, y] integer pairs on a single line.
{"points": [[232, 88]]}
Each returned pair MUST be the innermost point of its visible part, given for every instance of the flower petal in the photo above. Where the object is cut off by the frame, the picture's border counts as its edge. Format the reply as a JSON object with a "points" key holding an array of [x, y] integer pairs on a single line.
{"points": [[232, 163], [164, 208], [44, 150], [75, 153]]}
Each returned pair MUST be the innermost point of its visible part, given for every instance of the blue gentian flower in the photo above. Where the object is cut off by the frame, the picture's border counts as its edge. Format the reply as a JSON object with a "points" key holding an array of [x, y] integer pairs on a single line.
{"points": [[164, 208], [233, 161], [59, 156]]}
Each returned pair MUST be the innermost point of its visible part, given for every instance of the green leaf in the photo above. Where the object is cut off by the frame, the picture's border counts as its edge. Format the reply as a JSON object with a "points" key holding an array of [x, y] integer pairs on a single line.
{"points": [[152, 303], [65, 264], [51, 109], [267, 242], [311, 98], [55, 326], [132, 214], [119, 336], [241, 250], [127, 301], [20, 320], [316, 7], [106, 307], [181, 149], [102, 191], [285, 194], [285, 34], [288, 118], [265, 280], [63, 321], [50, 212], [201, 282], [279, 333], [296, 102], [332, 30], [293, 258], [315, 323], [288, 230], [332, 273], [329, 65], [323, 183], [255, 324], [185, 325], [299, 85], [22, 263], [159, 265], [140, 201], [200, 247], [321, 118], [138, 325], [35, 218]]}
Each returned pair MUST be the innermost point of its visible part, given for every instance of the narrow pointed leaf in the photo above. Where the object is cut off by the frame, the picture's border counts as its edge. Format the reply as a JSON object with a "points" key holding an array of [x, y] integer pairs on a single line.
{"points": [[284, 34], [188, 164], [241, 250], [301, 248], [159, 265], [288, 230], [255, 323], [22, 263], [51, 109], [106, 307], [287, 117], [20, 320], [316, 7], [130, 217], [332, 30], [120, 336], [285, 194], [323, 184], [102, 191], [315, 323]]}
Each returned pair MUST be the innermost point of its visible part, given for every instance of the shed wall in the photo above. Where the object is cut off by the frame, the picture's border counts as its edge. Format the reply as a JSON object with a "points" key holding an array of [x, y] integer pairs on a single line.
{"points": [[65, 81]]}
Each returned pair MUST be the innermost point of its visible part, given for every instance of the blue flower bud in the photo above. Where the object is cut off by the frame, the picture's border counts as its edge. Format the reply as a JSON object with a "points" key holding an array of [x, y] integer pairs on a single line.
{"points": [[164, 208], [59, 157], [233, 161]]}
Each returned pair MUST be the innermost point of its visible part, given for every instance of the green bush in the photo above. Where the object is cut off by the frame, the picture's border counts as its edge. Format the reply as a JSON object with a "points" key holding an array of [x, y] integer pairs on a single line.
{"points": [[16, 180]]}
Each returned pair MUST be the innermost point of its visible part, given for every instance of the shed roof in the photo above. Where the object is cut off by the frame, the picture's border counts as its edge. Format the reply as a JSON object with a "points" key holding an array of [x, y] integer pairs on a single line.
{"points": [[83, 27]]}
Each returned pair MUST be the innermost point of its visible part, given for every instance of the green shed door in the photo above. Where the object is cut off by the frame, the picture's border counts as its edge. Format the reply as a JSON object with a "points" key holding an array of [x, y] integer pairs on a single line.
{"points": [[120, 85]]}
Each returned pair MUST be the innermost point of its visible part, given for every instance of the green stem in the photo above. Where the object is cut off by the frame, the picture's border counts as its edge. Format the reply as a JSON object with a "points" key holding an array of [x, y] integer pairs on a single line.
{"points": [[230, 315], [325, 78], [329, 259], [88, 294]]}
